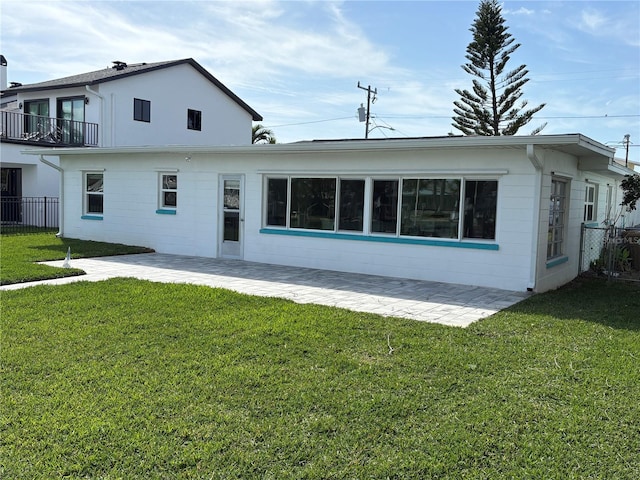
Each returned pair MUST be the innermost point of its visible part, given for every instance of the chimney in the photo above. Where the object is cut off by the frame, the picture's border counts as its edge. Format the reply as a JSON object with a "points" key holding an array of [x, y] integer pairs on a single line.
{"points": [[3, 73]]}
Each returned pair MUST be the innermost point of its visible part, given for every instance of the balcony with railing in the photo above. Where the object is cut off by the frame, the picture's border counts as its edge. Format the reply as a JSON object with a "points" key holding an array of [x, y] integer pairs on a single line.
{"points": [[40, 130]]}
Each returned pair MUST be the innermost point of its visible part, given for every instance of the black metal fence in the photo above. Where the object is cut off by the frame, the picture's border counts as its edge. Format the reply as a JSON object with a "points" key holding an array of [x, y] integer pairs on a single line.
{"points": [[28, 214], [610, 251], [41, 129]]}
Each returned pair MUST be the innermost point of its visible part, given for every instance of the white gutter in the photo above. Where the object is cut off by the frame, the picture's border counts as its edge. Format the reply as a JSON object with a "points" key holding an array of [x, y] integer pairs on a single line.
{"points": [[537, 196], [102, 122], [61, 198]]}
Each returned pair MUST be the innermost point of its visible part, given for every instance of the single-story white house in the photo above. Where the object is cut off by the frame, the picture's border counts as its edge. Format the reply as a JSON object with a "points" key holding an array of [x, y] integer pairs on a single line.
{"points": [[503, 212]]}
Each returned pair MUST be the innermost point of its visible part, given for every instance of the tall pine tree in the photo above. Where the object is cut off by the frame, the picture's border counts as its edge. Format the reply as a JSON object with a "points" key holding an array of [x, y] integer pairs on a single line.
{"points": [[490, 109]]}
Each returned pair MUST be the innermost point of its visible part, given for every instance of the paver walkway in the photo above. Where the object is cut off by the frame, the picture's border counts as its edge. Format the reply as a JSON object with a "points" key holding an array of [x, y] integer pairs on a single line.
{"points": [[449, 304]]}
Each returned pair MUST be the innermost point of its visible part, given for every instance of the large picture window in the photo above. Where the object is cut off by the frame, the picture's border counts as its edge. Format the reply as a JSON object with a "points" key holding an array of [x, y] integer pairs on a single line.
{"points": [[557, 216], [450, 208], [430, 207], [313, 203], [94, 193]]}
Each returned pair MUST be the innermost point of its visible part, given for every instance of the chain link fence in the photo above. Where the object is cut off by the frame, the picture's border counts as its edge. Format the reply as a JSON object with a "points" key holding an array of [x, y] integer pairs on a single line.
{"points": [[611, 252]]}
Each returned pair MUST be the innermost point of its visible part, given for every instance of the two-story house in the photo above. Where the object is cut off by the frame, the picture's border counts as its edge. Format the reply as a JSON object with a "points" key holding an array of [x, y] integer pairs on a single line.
{"points": [[164, 103]]}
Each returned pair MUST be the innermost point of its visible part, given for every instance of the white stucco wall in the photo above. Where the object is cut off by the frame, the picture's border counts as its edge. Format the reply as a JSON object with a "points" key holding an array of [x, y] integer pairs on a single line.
{"points": [[130, 201], [515, 260], [171, 92], [37, 180]]}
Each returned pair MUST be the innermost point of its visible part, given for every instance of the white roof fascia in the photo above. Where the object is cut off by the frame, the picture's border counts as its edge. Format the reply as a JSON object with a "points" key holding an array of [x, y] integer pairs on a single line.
{"points": [[581, 145]]}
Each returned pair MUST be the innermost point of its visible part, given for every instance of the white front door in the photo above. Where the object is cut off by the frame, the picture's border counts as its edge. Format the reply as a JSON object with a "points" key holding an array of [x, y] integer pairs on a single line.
{"points": [[232, 216]]}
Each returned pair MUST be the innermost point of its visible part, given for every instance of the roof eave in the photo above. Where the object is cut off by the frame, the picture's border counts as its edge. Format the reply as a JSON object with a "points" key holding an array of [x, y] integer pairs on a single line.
{"points": [[254, 115], [580, 146]]}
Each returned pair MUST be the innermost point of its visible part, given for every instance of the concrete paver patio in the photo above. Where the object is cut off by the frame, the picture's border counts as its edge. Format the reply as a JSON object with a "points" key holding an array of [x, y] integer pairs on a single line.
{"points": [[448, 304]]}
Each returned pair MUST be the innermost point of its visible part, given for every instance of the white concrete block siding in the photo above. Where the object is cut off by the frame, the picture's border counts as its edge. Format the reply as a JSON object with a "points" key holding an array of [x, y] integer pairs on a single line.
{"points": [[515, 260]]}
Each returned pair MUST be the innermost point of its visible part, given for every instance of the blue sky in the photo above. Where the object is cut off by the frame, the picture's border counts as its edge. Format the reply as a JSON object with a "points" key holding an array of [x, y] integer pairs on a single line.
{"points": [[298, 63]]}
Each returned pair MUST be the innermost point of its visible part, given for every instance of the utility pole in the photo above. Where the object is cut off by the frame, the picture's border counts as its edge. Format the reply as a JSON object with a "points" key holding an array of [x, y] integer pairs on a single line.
{"points": [[370, 100], [626, 142]]}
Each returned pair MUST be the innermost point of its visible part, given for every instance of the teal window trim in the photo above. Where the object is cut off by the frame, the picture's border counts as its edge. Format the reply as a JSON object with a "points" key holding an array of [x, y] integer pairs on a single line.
{"points": [[91, 217], [592, 224], [380, 239], [165, 211], [554, 262]]}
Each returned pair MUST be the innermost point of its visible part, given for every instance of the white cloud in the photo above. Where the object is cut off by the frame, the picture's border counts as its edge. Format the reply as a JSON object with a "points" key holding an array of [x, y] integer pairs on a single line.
{"points": [[520, 11], [592, 20], [621, 26]]}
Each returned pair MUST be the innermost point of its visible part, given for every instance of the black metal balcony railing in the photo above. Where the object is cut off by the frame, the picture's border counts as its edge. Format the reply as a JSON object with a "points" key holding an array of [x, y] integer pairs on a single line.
{"points": [[28, 214], [37, 129]]}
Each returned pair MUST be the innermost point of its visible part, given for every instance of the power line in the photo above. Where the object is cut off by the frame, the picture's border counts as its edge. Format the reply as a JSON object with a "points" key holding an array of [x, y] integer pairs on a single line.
{"points": [[312, 121], [428, 117], [576, 117]]}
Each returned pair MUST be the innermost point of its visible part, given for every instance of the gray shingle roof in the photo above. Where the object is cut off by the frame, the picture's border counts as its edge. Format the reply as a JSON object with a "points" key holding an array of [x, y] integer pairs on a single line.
{"points": [[112, 73]]}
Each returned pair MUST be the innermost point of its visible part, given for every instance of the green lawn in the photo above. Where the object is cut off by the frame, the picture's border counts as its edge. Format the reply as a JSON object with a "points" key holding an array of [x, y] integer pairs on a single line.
{"points": [[20, 252], [134, 380]]}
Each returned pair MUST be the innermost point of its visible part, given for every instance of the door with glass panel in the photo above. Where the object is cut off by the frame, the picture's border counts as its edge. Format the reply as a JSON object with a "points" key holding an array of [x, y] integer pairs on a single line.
{"points": [[231, 216], [71, 120]]}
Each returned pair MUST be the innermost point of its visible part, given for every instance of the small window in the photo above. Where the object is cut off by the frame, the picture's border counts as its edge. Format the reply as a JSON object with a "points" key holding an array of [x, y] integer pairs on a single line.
{"points": [[557, 218], [609, 206], [589, 203], [194, 119], [94, 193], [141, 110], [168, 190]]}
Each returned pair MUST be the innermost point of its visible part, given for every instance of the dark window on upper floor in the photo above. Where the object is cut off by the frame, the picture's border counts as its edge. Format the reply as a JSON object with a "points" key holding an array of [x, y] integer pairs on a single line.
{"points": [[194, 119], [141, 110]]}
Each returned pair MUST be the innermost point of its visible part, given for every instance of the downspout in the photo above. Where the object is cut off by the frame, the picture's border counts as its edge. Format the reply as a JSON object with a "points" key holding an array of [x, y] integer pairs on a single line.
{"points": [[101, 127], [60, 233], [537, 195]]}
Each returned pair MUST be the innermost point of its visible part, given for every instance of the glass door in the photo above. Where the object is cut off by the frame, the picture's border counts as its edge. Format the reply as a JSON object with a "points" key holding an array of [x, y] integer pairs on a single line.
{"points": [[71, 120], [232, 216]]}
